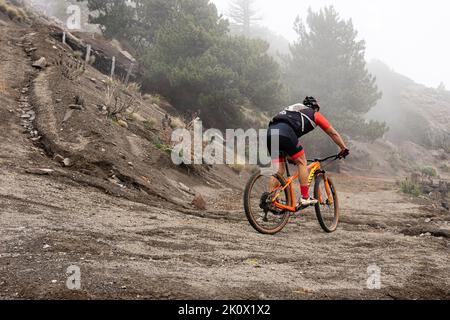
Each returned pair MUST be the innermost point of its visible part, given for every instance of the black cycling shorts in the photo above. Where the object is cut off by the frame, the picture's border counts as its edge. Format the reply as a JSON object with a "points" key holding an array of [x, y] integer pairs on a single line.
{"points": [[288, 143]]}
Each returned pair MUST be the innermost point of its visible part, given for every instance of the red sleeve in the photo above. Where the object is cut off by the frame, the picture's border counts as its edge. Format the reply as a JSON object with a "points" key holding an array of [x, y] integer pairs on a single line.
{"points": [[320, 120]]}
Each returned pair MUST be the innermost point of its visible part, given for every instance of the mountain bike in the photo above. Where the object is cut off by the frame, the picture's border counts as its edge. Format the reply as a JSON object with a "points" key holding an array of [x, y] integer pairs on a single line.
{"points": [[269, 211]]}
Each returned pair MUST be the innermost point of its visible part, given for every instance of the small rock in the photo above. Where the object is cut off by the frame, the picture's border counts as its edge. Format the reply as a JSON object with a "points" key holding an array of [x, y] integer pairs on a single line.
{"points": [[199, 202], [54, 281], [58, 158], [40, 64], [67, 116], [29, 50], [46, 246], [76, 107], [67, 162], [58, 100], [427, 220], [130, 164], [32, 115], [122, 123], [445, 206], [79, 100]]}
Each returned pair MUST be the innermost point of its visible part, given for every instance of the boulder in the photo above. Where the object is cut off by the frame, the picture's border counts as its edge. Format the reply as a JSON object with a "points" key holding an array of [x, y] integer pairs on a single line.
{"points": [[67, 162], [122, 123], [40, 64], [58, 158], [68, 115], [199, 202]]}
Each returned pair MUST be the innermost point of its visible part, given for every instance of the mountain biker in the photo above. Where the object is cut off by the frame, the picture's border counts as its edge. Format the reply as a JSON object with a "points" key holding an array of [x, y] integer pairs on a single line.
{"points": [[289, 126]]}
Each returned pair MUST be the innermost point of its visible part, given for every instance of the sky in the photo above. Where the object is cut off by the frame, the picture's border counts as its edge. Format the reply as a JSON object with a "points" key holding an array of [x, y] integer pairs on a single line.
{"points": [[411, 36]]}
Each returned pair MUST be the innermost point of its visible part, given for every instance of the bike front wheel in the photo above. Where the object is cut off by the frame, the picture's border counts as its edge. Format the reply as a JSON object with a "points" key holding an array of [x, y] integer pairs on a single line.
{"points": [[260, 212], [327, 209]]}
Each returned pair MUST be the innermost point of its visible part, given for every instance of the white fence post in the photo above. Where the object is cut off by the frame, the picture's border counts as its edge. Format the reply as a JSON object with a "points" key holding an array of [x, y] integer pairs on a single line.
{"points": [[113, 66], [88, 53]]}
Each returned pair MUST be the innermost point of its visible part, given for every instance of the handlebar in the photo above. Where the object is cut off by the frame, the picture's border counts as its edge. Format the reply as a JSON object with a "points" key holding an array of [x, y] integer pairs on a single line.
{"points": [[335, 157]]}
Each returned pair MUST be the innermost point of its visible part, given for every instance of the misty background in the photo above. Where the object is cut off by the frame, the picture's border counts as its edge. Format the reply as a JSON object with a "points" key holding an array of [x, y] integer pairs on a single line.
{"points": [[408, 35]]}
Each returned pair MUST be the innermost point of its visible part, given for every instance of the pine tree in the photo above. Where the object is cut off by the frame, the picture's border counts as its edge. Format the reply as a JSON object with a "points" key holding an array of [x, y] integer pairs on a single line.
{"points": [[243, 13], [328, 62]]}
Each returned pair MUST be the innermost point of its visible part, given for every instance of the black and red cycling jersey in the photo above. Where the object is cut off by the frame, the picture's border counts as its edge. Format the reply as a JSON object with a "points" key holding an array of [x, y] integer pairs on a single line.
{"points": [[303, 121], [289, 126]]}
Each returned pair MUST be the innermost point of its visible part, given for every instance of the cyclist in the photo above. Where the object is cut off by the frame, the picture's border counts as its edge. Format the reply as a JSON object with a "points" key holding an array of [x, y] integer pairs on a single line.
{"points": [[288, 127]]}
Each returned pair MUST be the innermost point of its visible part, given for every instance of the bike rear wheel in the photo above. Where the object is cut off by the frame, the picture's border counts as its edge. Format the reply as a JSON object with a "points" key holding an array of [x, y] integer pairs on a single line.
{"points": [[263, 217], [327, 211]]}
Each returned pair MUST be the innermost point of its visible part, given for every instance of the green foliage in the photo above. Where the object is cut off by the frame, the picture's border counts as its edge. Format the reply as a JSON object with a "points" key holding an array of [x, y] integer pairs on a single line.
{"points": [[163, 147], [411, 188], [328, 62], [189, 58], [429, 172]]}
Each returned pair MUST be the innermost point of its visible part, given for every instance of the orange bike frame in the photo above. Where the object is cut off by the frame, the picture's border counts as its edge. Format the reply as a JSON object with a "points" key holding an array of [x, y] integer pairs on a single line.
{"points": [[313, 168]]}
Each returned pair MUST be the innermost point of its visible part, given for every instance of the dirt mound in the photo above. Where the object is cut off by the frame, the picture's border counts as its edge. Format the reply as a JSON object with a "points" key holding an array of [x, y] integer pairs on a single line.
{"points": [[123, 154]]}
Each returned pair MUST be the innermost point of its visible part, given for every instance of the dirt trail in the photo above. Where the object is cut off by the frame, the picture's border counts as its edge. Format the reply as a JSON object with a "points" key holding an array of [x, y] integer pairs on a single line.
{"points": [[128, 249]]}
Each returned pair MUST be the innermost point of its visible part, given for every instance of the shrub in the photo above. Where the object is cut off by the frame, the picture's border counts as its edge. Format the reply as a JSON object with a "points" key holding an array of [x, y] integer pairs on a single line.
{"points": [[163, 147], [177, 123], [78, 55], [154, 99], [12, 12], [120, 98], [71, 68], [410, 187], [150, 124], [3, 6], [92, 60], [22, 15], [429, 172]]}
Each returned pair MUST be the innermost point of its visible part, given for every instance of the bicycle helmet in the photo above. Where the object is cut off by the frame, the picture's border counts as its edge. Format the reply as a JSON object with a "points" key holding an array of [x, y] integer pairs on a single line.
{"points": [[312, 103]]}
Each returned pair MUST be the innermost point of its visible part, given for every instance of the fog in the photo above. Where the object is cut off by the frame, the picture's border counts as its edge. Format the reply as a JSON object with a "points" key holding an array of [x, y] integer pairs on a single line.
{"points": [[409, 35]]}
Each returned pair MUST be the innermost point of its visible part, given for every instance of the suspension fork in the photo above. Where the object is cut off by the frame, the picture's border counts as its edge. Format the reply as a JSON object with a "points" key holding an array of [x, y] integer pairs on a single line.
{"points": [[327, 190]]}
